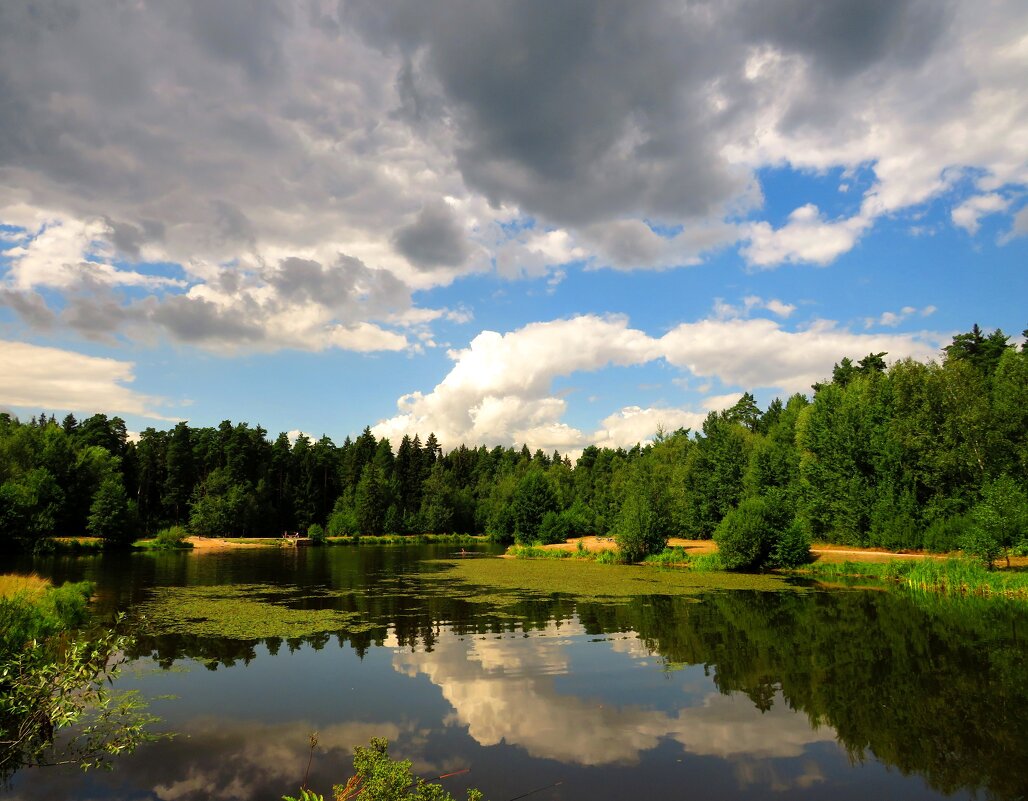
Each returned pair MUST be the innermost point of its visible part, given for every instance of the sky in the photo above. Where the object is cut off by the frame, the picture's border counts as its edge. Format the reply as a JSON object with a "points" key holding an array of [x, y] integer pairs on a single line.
{"points": [[558, 224]]}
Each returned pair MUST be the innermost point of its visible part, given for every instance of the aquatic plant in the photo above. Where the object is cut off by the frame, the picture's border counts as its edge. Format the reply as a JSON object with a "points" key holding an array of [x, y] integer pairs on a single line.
{"points": [[377, 777]]}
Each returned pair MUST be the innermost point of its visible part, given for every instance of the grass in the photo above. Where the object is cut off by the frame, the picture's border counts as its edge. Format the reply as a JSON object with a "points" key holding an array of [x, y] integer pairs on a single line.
{"points": [[29, 586], [71, 545], [243, 612], [669, 557], [405, 539], [31, 608], [945, 577]]}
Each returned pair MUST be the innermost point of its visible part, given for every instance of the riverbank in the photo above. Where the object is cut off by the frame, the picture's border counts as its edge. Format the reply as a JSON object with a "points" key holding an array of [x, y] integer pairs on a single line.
{"points": [[945, 574]]}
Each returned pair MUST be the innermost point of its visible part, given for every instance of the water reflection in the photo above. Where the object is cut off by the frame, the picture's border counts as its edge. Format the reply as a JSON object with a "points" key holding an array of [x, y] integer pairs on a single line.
{"points": [[839, 694], [503, 690]]}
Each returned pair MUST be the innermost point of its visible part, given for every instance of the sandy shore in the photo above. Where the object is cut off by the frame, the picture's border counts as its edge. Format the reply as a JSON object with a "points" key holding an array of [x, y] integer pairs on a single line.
{"points": [[822, 552], [224, 544]]}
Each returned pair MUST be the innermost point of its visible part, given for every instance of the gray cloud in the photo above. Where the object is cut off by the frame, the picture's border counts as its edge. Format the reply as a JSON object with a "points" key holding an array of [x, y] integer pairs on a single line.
{"points": [[30, 307], [198, 321], [96, 315], [345, 284], [434, 238], [229, 136]]}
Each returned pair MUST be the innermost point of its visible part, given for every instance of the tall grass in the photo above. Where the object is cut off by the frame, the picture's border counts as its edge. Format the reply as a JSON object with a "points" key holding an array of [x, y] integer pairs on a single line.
{"points": [[535, 552], [669, 557], [945, 577], [707, 563], [29, 586], [33, 609]]}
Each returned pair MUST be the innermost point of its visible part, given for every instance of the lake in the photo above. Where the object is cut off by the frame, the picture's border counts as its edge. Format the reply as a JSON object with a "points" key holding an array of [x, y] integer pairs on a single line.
{"points": [[763, 690]]}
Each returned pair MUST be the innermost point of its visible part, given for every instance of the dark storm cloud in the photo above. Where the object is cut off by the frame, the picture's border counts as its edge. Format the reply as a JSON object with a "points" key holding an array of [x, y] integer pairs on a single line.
{"points": [[434, 239]]}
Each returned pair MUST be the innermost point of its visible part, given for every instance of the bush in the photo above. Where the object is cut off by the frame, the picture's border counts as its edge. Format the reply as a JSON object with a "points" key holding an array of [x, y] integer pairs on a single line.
{"points": [[379, 778], [316, 534], [946, 533], [793, 546], [554, 529], [172, 538], [761, 531], [343, 522], [998, 521]]}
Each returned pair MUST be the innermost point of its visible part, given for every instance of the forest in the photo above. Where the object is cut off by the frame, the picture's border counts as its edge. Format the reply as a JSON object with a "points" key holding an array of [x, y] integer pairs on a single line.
{"points": [[900, 456]]}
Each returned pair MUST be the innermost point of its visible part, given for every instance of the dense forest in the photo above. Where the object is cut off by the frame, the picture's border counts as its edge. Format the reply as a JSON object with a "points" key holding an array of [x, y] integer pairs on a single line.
{"points": [[900, 456]]}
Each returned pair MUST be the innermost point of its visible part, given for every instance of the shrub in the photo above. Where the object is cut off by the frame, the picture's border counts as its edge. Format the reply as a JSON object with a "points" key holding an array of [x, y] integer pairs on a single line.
{"points": [[317, 534], [554, 529], [998, 521], [379, 778], [793, 546], [946, 533], [761, 531], [172, 538]]}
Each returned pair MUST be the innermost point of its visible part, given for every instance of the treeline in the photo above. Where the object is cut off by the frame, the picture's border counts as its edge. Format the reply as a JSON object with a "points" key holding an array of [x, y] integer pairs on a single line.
{"points": [[906, 456]]}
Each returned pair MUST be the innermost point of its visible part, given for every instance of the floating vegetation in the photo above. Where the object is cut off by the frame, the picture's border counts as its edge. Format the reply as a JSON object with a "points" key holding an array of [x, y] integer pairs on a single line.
{"points": [[245, 612], [504, 581]]}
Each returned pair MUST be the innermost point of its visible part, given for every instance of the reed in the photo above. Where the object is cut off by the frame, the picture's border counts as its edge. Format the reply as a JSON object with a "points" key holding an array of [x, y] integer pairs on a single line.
{"points": [[939, 576]]}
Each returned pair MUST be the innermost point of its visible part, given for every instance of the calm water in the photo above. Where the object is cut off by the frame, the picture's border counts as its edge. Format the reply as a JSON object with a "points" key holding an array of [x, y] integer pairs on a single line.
{"points": [[819, 694]]}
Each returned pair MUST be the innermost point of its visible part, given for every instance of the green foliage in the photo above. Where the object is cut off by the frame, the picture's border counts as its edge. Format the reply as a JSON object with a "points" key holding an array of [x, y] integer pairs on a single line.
{"points": [[27, 615], [643, 523], [669, 557], [792, 548], [377, 777], [112, 516], [370, 501], [946, 534], [219, 506], [888, 455], [533, 498], [999, 521], [51, 680], [940, 576], [555, 528], [172, 538], [317, 534], [762, 532]]}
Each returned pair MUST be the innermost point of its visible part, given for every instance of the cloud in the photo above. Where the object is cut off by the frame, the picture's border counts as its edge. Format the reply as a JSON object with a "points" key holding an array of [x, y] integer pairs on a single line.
{"points": [[806, 237], [48, 378], [500, 386], [434, 238], [433, 140], [969, 213], [759, 353], [892, 319], [500, 389], [726, 311]]}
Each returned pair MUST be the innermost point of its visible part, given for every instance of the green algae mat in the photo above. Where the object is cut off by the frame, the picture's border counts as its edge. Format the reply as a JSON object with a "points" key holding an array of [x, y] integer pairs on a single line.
{"points": [[243, 612], [504, 580]]}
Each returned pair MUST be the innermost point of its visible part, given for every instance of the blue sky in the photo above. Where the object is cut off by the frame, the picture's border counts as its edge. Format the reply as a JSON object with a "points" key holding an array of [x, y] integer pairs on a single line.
{"points": [[556, 225]]}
